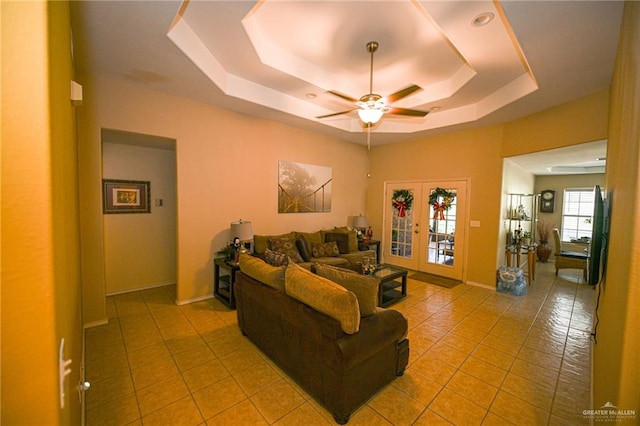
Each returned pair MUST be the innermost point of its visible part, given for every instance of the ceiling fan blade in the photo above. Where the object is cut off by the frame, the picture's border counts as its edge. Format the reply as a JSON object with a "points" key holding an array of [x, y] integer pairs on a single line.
{"points": [[402, 93], [405, 111], [336, 113], [343, 96]]}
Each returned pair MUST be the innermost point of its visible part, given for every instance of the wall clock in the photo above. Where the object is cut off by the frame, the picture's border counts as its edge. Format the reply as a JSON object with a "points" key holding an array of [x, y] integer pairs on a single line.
{"points": [[547, 201]]}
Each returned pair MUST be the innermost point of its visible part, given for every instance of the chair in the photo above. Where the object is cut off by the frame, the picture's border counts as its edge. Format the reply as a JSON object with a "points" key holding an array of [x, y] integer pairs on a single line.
{"points": [[569, 259]]}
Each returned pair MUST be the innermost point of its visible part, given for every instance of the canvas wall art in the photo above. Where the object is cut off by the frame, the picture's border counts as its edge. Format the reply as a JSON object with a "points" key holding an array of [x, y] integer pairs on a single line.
{"points": [[303, 188]]}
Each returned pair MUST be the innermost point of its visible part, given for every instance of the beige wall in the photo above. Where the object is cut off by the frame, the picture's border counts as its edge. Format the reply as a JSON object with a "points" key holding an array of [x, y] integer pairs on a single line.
{"points": [[616, 366], [140, 249], [477, 155], [579, 121], [40, 291], [471, 155], [227, 166]]}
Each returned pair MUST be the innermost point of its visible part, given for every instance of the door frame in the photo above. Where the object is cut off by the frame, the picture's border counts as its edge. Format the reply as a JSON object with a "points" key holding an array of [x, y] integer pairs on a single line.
{"points": [[384, 240]]}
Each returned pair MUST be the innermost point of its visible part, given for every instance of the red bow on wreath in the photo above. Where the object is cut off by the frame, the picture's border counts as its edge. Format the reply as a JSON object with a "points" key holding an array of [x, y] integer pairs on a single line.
{"points": [[438, 210], [401, 206]]}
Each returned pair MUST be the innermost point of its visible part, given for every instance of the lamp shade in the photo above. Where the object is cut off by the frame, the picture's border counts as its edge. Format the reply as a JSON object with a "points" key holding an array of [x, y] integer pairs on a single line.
{"points": [[370, 115], [242, 230], [360, 222]]}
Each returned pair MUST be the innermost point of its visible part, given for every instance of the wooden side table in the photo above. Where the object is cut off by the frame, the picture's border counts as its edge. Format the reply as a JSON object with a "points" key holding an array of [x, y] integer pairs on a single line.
{"points": [[376, 244], [223, 282], [516, 251]]}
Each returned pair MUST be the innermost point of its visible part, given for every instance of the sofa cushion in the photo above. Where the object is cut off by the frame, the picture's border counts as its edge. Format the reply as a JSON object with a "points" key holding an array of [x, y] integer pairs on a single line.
{"points": [[275, 258], [341, 239], [365, 288], [353, 237], [261, 242], [286, 245], [312, 237], [259, 270], [329, 249], [324, 296], [336, 261], [304, 248]]}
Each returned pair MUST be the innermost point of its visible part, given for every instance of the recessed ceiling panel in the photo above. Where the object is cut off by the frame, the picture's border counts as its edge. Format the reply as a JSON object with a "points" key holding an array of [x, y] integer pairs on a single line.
{"points": [[277, 53]]}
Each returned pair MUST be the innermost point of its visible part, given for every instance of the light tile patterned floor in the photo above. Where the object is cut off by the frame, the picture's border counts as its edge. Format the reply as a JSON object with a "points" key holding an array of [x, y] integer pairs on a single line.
{"points": [[477, 357]]}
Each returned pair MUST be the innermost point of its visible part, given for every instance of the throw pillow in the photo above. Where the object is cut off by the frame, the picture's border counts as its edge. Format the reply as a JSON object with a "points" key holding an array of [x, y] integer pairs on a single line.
{"points": [[304, 248], [329, 249], [259, 270], [365, 288], [341, 239], [275, 258], [353, 237], [261, 242], [286, 245], [324, 296], [312, 237]]}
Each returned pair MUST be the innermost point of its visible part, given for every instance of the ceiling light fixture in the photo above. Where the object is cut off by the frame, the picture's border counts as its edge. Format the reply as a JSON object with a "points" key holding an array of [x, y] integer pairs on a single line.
{"points": [[371, 108], [482, 19]]}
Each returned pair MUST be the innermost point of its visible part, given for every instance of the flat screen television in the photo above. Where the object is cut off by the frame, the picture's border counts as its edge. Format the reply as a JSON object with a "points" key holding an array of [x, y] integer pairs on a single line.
{"points": [[597, 248]]}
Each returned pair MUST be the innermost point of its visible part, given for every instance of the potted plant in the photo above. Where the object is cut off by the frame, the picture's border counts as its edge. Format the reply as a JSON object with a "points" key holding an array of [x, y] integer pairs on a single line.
{"points": [[544, 231], [526, 238]]}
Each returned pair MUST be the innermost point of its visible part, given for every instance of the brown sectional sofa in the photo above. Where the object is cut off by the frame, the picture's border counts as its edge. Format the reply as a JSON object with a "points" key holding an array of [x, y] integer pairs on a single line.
{"points": [[300, 246], [312, 328]]}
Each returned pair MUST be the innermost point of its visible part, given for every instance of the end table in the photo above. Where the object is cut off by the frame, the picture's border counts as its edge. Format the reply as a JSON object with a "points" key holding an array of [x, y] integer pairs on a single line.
{"points": [[376, 244], [223, 282]]}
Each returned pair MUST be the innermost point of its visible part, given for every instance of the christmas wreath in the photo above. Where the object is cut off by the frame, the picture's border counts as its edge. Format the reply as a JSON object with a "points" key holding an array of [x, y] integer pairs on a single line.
{"points": [[441, 200], [402, 201]]}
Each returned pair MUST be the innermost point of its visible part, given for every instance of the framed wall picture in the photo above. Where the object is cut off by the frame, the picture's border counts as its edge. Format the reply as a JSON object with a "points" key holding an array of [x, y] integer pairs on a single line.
{"points": [[125, 196], [304, 188], [547, 201]]}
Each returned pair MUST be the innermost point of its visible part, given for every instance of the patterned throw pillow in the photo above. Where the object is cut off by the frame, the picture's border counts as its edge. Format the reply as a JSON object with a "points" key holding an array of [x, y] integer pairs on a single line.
{"points": [[329, 249], [275, 258], [286, 245]]}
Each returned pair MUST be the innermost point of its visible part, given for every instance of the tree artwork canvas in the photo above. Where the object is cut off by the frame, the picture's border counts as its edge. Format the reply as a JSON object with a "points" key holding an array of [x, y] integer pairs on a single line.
{"points": [[303, 188]]}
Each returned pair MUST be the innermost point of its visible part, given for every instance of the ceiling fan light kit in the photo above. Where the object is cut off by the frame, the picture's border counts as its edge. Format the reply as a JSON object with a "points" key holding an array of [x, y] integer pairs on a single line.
{"points": [[371, 107]]}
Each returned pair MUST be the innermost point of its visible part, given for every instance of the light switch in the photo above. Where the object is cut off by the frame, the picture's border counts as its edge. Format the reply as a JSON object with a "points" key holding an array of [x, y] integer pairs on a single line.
{"points": [[474, 224]]}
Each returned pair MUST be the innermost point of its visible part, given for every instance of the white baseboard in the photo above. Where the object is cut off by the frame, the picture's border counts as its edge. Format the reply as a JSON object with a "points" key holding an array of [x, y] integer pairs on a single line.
{"points": [[131, 290], [196, 299], [96, 323]]}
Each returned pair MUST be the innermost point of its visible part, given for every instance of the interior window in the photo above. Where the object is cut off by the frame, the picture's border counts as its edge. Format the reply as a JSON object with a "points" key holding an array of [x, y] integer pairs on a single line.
{"points": [[577, 214]]}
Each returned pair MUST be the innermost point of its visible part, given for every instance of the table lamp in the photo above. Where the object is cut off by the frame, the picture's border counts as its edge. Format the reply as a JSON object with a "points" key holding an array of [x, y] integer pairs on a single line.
{"points": [[360, 223], [242, 235]]}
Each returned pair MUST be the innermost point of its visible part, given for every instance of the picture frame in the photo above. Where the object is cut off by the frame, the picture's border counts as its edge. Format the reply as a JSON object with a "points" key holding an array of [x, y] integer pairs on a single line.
{"points": [[125, 196], [304, 188]]}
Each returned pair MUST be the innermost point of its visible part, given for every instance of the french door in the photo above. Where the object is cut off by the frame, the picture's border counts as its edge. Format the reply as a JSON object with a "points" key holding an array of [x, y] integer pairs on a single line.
{"points": [[425, 226]]}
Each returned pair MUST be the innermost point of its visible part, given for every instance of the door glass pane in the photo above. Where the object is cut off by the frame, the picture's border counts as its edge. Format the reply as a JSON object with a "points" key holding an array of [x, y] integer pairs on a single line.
{"points": [[442, 226], [402, 223]]}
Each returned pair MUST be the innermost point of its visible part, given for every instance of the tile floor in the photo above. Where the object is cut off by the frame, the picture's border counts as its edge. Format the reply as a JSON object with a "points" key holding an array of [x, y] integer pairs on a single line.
{"points": [[477, 357]]}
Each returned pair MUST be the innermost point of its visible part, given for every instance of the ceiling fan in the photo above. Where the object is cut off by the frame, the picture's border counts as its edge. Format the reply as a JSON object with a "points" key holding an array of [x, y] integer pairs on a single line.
{"points": [[371, 107]]}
